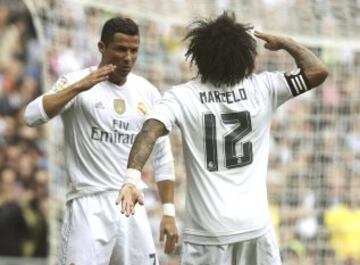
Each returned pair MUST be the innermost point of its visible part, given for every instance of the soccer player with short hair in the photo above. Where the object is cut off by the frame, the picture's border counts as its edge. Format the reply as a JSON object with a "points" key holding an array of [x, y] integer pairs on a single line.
{"points": [[224, 115], [102, 109]]}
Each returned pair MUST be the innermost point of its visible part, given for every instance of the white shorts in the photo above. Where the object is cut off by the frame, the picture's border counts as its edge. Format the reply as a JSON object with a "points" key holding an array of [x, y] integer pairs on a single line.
{"points": [[94, 232], [259, 251]]}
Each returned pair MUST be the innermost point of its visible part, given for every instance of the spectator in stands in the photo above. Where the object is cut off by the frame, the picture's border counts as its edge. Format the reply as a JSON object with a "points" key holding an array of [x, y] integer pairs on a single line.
{"points": [[343, 223], [13, 227], [21, 150]]}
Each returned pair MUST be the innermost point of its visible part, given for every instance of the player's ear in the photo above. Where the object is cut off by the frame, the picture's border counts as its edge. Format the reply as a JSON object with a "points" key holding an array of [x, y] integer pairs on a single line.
{"points": [[101, 47]]}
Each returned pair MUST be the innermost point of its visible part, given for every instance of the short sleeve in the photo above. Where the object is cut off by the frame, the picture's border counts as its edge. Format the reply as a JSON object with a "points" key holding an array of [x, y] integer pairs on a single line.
{"points": [[166, 110], [282, 86], [35, 113], [59, 85]]}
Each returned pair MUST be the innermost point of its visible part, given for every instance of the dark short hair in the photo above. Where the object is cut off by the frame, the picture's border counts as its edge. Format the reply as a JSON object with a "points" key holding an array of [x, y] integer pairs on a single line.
{"points": [[222, 49], [118, 24]]}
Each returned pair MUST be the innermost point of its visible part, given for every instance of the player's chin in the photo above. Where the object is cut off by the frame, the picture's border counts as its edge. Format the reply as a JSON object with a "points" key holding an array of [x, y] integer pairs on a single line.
{"points": [[122, 71]]}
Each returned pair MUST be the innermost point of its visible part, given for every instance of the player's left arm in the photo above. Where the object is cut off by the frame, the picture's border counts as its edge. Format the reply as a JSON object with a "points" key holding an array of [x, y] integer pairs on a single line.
{"points": [[163, 164], [168, 228], [311, 66], [129, 194]]}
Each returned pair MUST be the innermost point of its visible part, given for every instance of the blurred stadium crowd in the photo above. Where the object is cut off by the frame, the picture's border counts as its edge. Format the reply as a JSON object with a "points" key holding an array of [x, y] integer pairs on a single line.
{"points": [[314, 172], [23, 152]]}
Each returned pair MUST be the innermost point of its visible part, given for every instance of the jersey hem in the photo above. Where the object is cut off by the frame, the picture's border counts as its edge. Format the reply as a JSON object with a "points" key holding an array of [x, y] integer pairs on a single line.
{"points": [[226, 239]]}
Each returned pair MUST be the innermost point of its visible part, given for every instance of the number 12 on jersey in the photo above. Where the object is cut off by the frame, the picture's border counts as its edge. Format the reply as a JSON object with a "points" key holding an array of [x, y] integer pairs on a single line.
{"points": [[230, 140]]}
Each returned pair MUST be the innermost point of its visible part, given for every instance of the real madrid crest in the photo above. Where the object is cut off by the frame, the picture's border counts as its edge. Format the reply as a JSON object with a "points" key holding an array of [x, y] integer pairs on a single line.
{"points": [[119, 106], [141, 108]]}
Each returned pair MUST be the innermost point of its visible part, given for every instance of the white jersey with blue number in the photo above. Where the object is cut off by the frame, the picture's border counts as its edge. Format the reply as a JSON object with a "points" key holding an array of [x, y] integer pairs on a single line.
{"points": [[225, 136]]}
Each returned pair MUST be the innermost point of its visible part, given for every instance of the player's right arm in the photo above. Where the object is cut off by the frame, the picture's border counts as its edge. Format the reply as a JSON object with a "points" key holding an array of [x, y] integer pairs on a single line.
{"points": [[49, 105], [129, 195]]}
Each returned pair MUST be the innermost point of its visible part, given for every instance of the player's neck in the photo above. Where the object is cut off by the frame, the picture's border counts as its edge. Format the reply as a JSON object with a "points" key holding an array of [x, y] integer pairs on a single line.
{"points": [[117, 81]]}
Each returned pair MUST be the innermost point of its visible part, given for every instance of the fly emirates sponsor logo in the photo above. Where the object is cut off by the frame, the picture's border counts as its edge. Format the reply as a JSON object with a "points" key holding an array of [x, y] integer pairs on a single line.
{"points": [[118, 135]]}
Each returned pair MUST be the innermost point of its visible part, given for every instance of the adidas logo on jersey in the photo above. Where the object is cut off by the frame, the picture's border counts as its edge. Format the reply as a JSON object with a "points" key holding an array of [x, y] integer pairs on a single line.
{"points": [[99, 105]]}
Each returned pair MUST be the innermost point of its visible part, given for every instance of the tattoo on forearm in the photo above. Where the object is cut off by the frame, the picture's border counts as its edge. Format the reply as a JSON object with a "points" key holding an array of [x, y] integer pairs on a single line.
{"points": [[140, 151], [304, 58], [144, 143]]}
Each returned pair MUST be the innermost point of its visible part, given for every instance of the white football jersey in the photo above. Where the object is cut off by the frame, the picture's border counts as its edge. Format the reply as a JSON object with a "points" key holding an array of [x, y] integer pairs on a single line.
{"points": [[100, 126], [225, 136]]}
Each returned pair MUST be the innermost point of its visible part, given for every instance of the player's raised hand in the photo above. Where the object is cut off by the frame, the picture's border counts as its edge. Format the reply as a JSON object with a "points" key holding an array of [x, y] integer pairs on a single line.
{"points": [[128, 197], [272, 42], [169, 230], [100, 74]]}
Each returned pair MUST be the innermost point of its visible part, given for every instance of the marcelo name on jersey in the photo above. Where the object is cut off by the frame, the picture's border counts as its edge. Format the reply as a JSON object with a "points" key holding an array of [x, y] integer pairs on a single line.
{"points": [[119, 133], [215, 96]]}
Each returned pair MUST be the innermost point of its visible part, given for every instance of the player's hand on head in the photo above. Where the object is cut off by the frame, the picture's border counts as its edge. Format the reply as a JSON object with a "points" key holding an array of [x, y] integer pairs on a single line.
{"points": [[169, 233], [272, 42], [128, 197], [100, 74]]}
